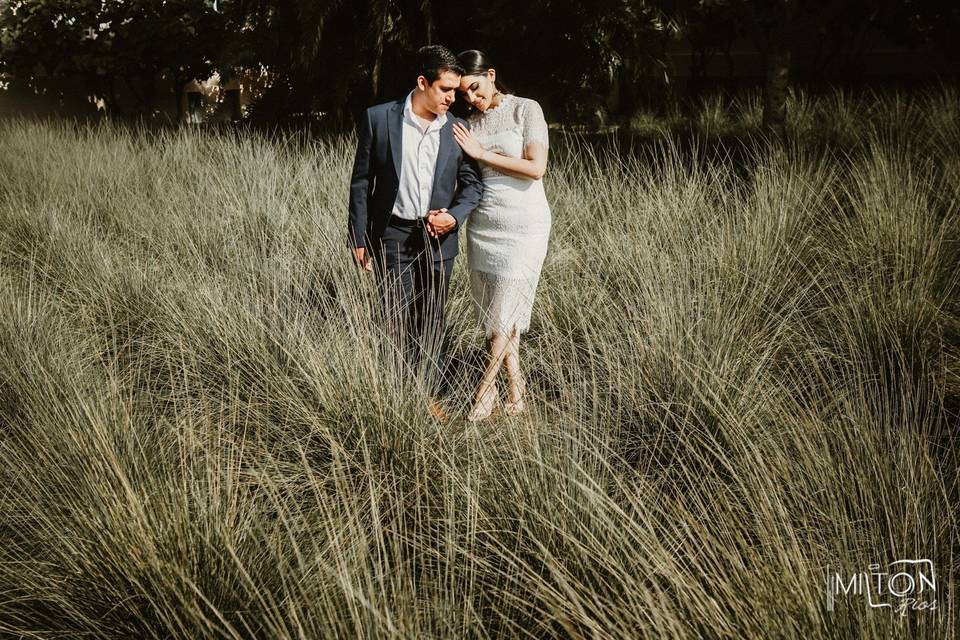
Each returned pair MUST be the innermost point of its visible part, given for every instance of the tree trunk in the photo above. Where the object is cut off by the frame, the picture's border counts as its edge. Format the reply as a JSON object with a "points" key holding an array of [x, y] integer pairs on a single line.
{"points": [[612, 102], [775, 88], [113, 108], [427, 12], [773, 28], [179, 93], [728, 56], [698, 69], [380, 36], [375, 72], [150, 93]]}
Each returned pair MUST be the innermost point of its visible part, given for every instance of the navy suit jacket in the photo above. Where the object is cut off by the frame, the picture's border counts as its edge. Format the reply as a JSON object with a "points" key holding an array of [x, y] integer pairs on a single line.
{"points": [[457, 184]]}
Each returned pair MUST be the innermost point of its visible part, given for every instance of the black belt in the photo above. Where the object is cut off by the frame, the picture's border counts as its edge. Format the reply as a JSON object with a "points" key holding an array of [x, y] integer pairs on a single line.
{"points": [[416, 223]]}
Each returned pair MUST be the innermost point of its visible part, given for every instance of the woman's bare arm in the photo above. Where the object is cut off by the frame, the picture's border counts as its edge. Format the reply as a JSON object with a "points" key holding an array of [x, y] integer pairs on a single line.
{"points": [[531, 166]]}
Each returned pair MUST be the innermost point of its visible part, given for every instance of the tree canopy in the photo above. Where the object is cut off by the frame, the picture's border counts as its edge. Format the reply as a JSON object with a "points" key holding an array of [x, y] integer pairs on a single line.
{"points": [[587, 61]]}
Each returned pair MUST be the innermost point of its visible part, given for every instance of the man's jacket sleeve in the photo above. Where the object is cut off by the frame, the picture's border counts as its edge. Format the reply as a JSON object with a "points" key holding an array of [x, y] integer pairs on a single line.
{"points": [[360, 183], [470, 186]]}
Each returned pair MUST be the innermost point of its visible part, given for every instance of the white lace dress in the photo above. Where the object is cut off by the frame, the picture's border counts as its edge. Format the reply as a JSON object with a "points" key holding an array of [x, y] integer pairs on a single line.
{"points": [[507, 233]]}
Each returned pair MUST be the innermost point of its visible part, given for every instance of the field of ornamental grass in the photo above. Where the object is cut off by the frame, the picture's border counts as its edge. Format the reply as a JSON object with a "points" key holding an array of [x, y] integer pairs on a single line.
{"points": [[744, 368]]}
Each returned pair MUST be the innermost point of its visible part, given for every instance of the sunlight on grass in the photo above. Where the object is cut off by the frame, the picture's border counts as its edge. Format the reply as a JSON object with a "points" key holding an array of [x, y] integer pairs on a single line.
{"points": [[744, 367]]}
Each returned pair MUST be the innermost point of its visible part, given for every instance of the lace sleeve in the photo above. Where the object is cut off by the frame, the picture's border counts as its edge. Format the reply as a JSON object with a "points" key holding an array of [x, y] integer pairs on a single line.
{"points": [[534, 124]]}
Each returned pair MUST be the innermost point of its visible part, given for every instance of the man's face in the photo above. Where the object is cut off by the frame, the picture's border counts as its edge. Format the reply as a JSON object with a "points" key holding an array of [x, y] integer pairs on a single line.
{"points": [[441, 94]]}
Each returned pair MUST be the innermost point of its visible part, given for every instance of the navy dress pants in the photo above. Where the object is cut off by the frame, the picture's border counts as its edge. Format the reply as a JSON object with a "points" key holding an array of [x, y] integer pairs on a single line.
{"points": [[413, 286]]}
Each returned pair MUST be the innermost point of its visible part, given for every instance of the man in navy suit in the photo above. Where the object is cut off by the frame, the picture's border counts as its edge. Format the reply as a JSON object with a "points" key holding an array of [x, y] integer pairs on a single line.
{"points": [[411, 191]]}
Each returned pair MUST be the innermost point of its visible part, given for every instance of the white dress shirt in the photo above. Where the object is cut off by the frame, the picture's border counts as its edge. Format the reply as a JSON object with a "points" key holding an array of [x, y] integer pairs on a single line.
{"points": [[421, 144]]}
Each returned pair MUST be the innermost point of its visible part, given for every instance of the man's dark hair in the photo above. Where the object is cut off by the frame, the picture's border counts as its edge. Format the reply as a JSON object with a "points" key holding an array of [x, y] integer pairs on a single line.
{"points": [[434, 59]]}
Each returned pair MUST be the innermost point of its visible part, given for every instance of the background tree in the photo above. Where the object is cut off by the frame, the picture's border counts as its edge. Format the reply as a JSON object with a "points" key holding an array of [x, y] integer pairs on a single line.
{"points": [[591, 62], [330, 57], [769, 24], [111, 48], [583, 61], [44, 43], [840, 29], [709, 28], [931, 23]]}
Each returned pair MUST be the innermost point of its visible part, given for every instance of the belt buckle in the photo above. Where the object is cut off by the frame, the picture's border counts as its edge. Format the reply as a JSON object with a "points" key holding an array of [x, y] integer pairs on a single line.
{"points": [[419, 222]]}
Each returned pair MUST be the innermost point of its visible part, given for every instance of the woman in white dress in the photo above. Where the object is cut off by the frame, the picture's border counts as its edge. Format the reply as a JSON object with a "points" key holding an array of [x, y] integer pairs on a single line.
{"points": [[507, 233]]}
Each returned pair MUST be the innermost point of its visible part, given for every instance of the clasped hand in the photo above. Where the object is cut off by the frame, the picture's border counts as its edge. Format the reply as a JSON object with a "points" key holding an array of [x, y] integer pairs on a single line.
{"points": [[440, 222]]}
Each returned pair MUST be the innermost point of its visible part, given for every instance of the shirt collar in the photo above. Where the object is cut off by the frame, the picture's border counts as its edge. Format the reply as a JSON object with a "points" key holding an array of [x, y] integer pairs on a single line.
{"points": [[437, 122]]}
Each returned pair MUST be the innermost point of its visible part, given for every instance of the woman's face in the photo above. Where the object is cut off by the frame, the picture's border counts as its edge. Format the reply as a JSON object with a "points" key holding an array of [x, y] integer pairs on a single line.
{"points": [[479, 89]]}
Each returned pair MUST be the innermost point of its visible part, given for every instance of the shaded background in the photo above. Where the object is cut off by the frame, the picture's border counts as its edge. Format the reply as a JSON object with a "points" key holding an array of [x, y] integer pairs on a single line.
{"points": [[302, 62]]}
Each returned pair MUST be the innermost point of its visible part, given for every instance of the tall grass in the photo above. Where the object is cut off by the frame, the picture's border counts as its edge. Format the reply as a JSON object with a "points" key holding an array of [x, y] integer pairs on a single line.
{"points": [[839, 117], [744, 375]]}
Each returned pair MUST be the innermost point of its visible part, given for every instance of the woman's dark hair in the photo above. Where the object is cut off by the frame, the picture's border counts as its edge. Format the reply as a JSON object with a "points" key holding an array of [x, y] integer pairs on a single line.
{"points": [[476, 63], [432, 60]]}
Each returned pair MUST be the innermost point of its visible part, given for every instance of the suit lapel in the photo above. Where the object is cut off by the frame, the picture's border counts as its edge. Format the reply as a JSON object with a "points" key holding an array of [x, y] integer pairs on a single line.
{"points": [[443, 152], [395, 131]]}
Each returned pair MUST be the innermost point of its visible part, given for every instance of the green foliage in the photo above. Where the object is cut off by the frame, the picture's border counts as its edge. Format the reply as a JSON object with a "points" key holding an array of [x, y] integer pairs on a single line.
{"points": [[588, 62], [924, 22], [108, 44]]}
